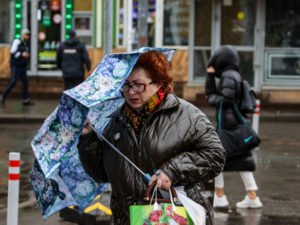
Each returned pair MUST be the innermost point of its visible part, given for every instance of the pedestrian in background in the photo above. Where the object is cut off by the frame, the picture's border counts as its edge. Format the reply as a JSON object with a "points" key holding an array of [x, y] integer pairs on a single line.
{"points": [[224, 65], [166, 136], [19, 57], [73, 59]]}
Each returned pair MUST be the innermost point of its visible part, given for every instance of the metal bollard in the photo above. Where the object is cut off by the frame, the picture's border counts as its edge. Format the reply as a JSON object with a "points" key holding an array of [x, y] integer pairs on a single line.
{"points": [[13, 188], [255, 117]]}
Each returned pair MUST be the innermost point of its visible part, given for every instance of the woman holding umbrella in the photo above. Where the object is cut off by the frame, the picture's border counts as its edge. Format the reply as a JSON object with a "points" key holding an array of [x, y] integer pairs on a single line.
{"points": [[161, 134]]}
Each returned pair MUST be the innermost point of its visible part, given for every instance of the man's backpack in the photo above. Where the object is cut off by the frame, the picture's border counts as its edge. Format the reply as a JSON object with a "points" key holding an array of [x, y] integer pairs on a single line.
{"points": [[248, 98]]}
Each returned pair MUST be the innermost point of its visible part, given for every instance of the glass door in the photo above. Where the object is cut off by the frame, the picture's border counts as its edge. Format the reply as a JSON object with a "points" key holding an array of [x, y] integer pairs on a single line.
{"points": [[46, 22], [49, 22], [237, 29], [201, 12], [221, 22]]}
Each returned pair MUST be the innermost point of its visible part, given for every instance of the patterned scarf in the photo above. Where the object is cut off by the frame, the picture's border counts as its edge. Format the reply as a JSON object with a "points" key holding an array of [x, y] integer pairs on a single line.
{"points": [[138, 119]]}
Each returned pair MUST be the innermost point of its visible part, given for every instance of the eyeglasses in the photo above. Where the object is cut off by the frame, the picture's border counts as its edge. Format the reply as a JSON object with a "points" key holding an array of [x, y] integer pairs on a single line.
{"points": [[136, 87]]}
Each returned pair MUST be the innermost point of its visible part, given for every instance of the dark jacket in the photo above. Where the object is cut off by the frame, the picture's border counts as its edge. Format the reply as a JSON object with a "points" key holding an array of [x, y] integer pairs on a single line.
{"points": [[71, 58], [227, 88], [177, 138], [17, 48]]}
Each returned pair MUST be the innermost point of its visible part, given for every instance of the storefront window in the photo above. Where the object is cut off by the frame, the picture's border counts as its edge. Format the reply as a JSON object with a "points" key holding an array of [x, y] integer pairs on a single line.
{"points": [[283, 23], [176, 22], [86, 5], [83, 20], [282, 64], [150, 23], [49, 33], [246, 66], [4, 21], [201, 58], [238, 21], [203, 9], [121, 24], [282, 40]]}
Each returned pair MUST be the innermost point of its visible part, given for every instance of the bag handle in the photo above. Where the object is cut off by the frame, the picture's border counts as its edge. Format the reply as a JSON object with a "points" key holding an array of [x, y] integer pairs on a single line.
{"points": [[220, 116], [149, 194], [239, 114], [235, 110]]}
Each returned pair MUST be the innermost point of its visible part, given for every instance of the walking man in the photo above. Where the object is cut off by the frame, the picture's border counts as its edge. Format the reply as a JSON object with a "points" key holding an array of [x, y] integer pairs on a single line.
{"points": [[19, 55], [72, 59]]}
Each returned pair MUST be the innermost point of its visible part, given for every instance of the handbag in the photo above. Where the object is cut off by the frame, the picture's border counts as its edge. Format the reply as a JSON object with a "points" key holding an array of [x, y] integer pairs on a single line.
{"points": [[239, 140], [157, 211]]}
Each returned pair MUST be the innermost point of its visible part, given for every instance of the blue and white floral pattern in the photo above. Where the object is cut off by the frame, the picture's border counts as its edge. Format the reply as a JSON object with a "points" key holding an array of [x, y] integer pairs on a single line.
{"points": [[51, 193], [59, 133], [58, 178], [105, 81]]}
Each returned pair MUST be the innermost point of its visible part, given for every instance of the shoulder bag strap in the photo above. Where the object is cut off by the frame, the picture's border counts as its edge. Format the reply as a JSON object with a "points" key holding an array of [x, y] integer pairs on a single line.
{"points": [[239, 114], [219, 119]]}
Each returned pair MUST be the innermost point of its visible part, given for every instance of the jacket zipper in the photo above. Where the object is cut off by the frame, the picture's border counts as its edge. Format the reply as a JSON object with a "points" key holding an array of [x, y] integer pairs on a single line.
{"points": [[131, 131]]}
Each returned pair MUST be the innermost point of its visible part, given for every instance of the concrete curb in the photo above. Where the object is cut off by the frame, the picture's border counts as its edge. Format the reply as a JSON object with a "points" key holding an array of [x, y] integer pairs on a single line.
{"points": [[266, 117], [22, 118]]}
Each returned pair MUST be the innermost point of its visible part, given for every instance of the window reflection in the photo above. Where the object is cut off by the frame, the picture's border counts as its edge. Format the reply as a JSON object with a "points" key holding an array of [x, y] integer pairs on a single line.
{"points": [[282, 63], [201, 58], [176, 22], [203, 9], [238, 21], [82, 23], [283, 23], [82, 20], [4, 22], [49, 32], [246, 66]]}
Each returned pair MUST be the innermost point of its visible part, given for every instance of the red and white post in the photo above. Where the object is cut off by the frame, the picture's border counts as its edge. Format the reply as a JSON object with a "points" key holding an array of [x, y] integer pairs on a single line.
{"points": [[255, 117], [13, 188]]}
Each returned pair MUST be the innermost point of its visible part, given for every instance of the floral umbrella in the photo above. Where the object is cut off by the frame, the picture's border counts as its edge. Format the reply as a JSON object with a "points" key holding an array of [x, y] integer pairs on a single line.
{"points": [[57, 177]]}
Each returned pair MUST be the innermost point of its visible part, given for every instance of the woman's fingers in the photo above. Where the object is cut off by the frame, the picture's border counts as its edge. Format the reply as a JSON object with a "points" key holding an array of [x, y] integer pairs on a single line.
{"points": [[153, 179], [163, 181], [159, 183], [87, 129]]}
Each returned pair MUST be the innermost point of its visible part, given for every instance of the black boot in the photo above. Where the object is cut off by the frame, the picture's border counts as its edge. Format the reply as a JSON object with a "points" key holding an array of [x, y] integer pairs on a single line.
{"points": [[2, 100], [27, 102]]}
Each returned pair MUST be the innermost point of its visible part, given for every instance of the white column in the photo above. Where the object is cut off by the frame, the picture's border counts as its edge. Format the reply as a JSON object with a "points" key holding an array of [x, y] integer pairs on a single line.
{"points": [[108, 11], [255, 118], [13, 188], [128, 25]]}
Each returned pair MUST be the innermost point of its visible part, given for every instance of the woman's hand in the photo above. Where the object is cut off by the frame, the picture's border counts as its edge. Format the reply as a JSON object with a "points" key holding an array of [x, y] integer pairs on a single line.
{"points": [[162, 180], [87, 129], [25, 55], [210, 70]]}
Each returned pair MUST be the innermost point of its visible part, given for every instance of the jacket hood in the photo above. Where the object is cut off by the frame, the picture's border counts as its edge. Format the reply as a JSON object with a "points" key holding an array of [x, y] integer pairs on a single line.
{"points": [[72, 41], [224, 58]]}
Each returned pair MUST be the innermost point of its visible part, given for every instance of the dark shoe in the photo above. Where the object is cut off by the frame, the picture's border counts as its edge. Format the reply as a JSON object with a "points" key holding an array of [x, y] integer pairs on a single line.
{"points": [[28, 103]]}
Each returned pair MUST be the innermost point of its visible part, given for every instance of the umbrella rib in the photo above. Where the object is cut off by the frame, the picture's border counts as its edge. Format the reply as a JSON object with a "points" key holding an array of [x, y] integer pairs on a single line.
{"points": [[117, 150]]}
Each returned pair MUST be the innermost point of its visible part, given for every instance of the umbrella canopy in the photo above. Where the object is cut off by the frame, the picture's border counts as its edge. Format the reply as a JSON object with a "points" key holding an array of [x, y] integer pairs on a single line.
{"points": [[57, 177]]}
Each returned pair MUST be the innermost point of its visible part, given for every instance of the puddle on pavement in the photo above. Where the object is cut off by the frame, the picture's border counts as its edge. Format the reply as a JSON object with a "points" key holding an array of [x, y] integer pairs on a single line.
{"points": [[16, 138]]}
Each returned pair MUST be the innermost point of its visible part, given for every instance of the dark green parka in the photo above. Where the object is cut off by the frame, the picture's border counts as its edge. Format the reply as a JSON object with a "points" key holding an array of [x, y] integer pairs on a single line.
{"points": [[177, 138]]}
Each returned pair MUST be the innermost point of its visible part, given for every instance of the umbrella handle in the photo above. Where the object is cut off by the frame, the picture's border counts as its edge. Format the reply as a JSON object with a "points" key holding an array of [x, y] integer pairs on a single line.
{"points": [[147, 178]]}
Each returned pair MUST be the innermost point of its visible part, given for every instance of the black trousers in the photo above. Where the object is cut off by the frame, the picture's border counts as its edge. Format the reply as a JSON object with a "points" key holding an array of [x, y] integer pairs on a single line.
{"points": [[17, 73], [70, 82]]}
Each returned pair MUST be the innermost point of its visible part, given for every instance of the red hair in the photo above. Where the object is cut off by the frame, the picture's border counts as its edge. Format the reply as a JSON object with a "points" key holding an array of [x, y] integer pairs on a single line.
{"points": [[158, 67]]}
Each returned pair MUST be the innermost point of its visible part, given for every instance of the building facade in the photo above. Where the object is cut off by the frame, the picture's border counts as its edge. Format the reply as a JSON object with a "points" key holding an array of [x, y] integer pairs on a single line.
{"points": [[265, 33]]}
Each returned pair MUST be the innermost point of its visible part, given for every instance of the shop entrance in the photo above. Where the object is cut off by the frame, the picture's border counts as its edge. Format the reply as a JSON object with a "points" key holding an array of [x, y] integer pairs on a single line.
{"points": [[216, 23], [45, 21]]}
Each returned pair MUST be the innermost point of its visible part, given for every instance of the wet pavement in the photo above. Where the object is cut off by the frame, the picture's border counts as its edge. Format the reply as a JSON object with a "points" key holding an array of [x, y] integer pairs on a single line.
{"points": [[277, 174]]}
